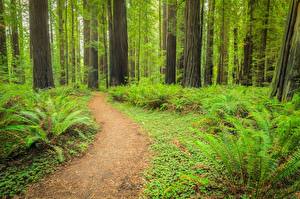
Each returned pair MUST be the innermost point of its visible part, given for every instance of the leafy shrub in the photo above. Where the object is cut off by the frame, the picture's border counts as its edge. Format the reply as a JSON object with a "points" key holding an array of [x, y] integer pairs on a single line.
{"points": [[251, 143], [28, 118]]}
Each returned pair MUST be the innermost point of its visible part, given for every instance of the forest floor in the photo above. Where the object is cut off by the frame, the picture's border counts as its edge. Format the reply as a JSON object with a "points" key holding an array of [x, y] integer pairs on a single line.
{"points": [[112, 167]]}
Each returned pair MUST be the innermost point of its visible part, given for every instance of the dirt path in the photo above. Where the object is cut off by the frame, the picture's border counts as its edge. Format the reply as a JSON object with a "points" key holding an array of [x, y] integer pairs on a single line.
{"points": [[113, 166]]}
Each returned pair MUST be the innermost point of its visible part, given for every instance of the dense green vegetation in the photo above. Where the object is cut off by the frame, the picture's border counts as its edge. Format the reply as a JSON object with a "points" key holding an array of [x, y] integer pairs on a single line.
{"points": [[244, 143], [201, 76], [40, 130]]}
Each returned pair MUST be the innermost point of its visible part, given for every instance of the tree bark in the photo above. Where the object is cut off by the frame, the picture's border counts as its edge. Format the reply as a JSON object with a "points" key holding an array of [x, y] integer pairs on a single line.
{"points": [[67, 43], [93, 72], [39, 34], [3, 49], [222, 75], [139, 45], [104, 31], [61, 41], [248, 49], [236, 65], [16, 70], [286, 80], [192, 48], [164, 26], [73, 54], [170, 77], [263, 47], [86, 38], [119, 69], [210, 44]]}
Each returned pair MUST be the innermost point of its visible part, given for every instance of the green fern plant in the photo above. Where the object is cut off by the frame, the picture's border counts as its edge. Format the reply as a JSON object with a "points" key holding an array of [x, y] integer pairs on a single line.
{"points": [[247, 163]]}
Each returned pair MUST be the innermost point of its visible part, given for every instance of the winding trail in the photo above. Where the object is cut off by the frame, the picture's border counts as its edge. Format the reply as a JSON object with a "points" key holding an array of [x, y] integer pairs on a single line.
{"points": [[112, 167]]}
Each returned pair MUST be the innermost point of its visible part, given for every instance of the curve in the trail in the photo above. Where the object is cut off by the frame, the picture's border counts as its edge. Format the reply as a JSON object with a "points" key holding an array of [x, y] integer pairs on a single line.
{"points": [[113, 166]]}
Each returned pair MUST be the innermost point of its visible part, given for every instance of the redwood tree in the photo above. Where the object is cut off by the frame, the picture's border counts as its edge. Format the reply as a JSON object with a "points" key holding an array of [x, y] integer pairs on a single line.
{"points": [[61, 42], [3, 49], [93, 79], [119, 67], [170, 77], [287, 75], [192, 47], [86, 37], [247, 70], [222, 75], [16, 67], [40, 41], [210, 44]]}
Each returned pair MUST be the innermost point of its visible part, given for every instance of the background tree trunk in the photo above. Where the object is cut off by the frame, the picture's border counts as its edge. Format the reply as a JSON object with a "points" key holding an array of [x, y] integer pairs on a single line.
{"points": [[248, 48], [192, 47], [93, 72], [86, 37], [236, 65], [61, 41], [67, 43], [262, 54], [73, 54], [222, 75], [39, 34], [164, 26], [287, 75], [104, 31], [3, 49], [119, 69], [210, 44], [16, 70], [170, 77]]}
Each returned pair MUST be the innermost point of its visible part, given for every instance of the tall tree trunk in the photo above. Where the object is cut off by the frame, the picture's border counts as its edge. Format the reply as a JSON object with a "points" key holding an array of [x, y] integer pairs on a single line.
{"points": [[78, 48], [73, 54], [164, 28], [263, 47], [104, 30], [67, 43], [139, 44], [236, 65], [39, 34], [160, 31], [222, 75], [51, 26], [210, 44], [21, 42], [86, 38], [3, 50], [170, 77], [248, 49], [111, 35], [132, 62], [287, 75], [93, 79], [119, 71], [192, 48], [16, 70], [61, 41]]}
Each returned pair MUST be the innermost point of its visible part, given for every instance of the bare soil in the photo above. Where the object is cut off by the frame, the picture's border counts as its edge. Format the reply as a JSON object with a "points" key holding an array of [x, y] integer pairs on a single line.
{"points": [[112, 167]]}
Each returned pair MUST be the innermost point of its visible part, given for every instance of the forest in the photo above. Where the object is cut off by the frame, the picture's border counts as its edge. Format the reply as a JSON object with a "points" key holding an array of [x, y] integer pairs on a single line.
{"points": [[150, 99]]}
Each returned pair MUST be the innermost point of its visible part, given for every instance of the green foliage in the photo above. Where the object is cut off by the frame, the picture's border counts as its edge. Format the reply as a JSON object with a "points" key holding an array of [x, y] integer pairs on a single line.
{"points": [[249, 142], [174, 171], [28, 118], [38, 131]]}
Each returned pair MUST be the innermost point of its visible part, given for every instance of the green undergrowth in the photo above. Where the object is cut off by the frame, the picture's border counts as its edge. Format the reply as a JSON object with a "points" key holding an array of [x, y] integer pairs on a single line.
{"points": [[245, 144], [175, 171], [40, 130]]}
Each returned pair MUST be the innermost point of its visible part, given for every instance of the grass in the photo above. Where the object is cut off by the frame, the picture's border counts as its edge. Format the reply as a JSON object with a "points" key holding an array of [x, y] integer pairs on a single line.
{"points": [[175, 170]]}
